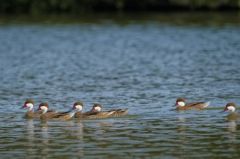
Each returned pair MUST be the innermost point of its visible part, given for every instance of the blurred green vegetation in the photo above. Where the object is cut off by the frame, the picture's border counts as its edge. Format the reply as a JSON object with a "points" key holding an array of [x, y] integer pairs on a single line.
{"points": [[82, 6]]}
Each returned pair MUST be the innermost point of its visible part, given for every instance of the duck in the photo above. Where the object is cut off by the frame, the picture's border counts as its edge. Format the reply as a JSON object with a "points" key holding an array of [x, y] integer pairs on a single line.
{"points": [[97, 113], [231, 107], [29, 105], [43, 107], [182, 105]]}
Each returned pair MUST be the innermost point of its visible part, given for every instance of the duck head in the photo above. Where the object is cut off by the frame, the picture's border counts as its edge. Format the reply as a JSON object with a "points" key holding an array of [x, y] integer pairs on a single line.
{"points": [[231, 107], [180, 102], [28, 104], [78, 106], [96, 108], [43, 107]]}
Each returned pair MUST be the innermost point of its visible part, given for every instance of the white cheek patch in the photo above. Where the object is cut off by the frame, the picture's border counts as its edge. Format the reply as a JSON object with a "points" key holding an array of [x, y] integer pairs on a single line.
{"points": [[79, 107], [181, 104], [44, 109], [98, 108], [29, 105], [231, 108]]}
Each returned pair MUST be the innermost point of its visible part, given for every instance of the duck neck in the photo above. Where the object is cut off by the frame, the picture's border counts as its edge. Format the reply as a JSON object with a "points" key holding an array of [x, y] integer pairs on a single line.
{"points": [[30, 108], [232, 109], [72, 113], [44, 111]]}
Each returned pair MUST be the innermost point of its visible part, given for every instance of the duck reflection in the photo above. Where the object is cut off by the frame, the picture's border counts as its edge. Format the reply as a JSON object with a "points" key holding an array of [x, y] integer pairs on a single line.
{"points": [[79, 130], [181, 127], [79, 135], [102, 128], [73, 133], [231, 136], [181, 136], [30, 135], [232, 126], [45, 139]]}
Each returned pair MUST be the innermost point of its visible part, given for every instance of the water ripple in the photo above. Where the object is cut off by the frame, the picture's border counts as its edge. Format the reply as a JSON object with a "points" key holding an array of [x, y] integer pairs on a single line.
{"points": [[140, 67]]}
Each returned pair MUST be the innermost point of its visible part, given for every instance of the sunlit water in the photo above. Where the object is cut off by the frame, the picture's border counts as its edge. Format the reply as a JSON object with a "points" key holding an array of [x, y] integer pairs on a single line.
{"points": [[140, 66]]}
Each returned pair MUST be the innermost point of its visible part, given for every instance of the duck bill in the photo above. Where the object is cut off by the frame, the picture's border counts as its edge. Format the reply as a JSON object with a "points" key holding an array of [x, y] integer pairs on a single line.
{"points": [[73, 109], [224, 110], [24, 107], [176, 104], [92, 110]]}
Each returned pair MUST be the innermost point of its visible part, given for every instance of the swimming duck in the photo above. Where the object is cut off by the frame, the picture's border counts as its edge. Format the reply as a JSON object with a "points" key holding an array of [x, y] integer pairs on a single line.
{"points": [[97, 113], [60, 115], [182, 105], [231, 107], [29, 104]]}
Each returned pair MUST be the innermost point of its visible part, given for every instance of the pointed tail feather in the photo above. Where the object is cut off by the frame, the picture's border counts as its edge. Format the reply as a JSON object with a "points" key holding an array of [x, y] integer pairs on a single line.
{"points": [[206, 104], [110, 113]]}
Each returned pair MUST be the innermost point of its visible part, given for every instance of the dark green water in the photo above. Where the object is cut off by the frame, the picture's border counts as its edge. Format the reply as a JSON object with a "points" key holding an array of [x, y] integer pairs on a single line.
{"points": [[143, 65]]}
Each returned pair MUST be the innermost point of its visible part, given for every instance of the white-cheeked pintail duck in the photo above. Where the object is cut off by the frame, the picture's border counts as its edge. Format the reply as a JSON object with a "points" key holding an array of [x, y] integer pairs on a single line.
{"points": [[182, 105]]}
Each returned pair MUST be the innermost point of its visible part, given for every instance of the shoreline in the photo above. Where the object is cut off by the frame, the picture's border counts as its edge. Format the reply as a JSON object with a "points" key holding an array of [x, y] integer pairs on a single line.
{"points": [[176, 18]]}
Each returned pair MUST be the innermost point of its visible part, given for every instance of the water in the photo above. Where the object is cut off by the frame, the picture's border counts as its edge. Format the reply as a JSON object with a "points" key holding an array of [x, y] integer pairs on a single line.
{"points": [[143, 66]]}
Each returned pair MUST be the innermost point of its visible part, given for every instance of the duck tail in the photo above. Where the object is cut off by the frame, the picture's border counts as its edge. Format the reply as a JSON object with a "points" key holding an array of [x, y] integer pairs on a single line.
{"points": [[125, 110], [111, 112], [206, 104]]}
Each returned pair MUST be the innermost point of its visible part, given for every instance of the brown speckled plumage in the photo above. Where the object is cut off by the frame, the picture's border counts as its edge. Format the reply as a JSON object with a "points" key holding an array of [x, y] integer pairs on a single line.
{"points": [[190, 106], [93, 114]]}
